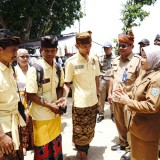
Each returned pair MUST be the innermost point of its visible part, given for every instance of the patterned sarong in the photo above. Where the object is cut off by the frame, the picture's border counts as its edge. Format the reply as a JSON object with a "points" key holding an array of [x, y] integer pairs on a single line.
{"points": [[16, 154], [50, 151], [84, 121]]}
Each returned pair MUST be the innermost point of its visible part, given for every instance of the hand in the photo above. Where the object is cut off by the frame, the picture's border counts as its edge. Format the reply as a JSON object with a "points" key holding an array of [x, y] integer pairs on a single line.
{"points": [[27, 117], [120, 97], [62, 102], [6, 144], [55, 108], [110, 99]]}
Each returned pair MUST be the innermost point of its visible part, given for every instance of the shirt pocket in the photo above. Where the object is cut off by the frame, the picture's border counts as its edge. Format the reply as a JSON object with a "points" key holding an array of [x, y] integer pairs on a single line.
{"points": [[5, 90]]}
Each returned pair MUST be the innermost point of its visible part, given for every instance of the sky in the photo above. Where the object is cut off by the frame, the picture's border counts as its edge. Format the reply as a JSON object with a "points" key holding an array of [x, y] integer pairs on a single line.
{"points": [[103, 19]]}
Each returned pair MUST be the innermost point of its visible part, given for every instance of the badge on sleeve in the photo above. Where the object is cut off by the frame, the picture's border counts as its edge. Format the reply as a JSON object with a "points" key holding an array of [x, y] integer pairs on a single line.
{"points": [[155, 91]]}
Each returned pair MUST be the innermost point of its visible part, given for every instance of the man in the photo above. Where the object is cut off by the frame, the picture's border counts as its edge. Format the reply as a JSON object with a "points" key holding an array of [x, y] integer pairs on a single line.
{"points": [[44, 110], [126, 69], [83, 70], [157, 40], [143, 43], [10, 119], [105, 61]]}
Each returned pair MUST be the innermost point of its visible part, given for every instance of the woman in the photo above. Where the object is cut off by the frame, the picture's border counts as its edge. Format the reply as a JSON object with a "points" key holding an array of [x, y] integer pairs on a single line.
{"points": [[21, 70], [144, 106]]}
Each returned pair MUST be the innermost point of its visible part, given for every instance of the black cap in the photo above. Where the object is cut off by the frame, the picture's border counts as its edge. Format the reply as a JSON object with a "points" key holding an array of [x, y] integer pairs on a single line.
{"points": [[157, 37], [49, 41], [7, 38], [144, 41]]}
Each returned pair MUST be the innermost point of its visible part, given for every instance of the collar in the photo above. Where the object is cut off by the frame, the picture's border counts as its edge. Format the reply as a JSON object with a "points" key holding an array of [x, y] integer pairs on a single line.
{"points": [[3, 67], [129, 57], [45, 64]]}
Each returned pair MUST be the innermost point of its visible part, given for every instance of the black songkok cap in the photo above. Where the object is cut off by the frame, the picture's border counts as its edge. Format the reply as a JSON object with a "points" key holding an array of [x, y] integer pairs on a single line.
{"points": [[49, 42], [7, 38]]}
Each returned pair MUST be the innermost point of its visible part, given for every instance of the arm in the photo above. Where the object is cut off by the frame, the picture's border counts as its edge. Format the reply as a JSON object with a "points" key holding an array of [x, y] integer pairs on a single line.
{"points": [[6, 143], [52, 106], [110, 90]]}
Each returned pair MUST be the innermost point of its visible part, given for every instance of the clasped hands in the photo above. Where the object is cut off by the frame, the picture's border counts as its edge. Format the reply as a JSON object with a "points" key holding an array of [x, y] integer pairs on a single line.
{"points": [[59, 106], [120, 96]]}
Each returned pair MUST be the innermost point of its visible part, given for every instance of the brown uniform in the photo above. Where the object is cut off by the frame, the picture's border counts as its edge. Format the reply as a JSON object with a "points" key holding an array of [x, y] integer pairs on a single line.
{"points": [[145, 124], [104, 77], [132, 63]]}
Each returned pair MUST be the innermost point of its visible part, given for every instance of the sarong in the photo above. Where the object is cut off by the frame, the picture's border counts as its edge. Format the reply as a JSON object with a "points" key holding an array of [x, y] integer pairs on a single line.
{"points": [[84, 121], [27, 135], [50, 151], [16, 154]]}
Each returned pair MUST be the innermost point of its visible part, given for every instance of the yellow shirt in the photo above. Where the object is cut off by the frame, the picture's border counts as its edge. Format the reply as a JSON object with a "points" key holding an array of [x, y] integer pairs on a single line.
{"points": [[82, 73], [46, 125], [9, 115]]}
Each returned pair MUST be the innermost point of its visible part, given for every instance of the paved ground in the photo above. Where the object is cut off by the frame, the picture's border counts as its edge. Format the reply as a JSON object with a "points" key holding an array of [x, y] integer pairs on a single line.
{"points": [[105, 137]]}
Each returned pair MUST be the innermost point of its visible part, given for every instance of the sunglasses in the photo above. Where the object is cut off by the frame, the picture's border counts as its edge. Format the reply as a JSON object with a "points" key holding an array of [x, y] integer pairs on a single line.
{"points": [[23, 57], [123, 45]]}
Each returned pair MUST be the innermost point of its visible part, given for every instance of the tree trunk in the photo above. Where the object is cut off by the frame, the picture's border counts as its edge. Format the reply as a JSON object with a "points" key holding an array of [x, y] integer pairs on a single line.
{"points": [[2, 22]]}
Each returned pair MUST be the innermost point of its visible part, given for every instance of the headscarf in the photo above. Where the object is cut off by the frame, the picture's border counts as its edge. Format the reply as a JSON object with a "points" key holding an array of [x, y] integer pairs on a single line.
{"points": [[127, 37], [153, 56]]}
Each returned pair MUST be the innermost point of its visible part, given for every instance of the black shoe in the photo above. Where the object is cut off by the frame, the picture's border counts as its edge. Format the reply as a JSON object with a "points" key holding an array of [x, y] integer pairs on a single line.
{"points": [[100, 118], [126, 156], [117, 147]]}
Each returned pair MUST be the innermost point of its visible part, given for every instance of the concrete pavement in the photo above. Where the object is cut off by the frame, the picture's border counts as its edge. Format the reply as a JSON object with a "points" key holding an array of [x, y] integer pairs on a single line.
{"points": [[100, 148]]}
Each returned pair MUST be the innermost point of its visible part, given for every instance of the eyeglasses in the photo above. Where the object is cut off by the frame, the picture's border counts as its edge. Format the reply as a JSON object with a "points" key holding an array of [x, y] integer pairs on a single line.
{"points": [[123, 45], [24, 57]]}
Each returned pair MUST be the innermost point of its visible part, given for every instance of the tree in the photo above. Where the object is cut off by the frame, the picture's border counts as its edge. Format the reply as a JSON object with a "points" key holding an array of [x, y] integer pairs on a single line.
{"points": [[133, 13], [31, 19]]}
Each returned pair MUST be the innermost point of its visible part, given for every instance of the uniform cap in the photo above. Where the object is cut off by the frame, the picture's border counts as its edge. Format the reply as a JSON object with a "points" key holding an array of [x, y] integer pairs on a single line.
{"points": [[7, 38], [49, 42], [157, 37], [84, 38], [126, 37], [107, 45], [144, 41]]}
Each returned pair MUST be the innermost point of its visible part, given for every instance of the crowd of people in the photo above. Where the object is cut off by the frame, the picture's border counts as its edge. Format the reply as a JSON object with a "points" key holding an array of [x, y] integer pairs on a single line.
{"points": [[129, 82]]}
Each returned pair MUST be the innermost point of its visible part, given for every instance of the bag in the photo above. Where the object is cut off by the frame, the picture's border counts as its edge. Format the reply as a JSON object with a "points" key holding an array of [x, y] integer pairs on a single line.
{"points": [[40, 74], [21, 110], [20, 104]]}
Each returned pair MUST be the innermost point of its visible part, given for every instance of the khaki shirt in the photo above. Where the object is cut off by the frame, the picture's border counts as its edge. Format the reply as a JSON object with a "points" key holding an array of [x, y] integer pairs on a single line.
{"points": [[49, 89], [82, 73], [134, 68], [146, 105], [9, 115], [105, 64]]}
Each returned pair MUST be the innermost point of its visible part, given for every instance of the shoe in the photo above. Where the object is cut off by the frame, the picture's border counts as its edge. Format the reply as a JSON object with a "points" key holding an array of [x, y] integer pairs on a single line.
{"points": [[126, 156], [117, 147], [100, 118]]}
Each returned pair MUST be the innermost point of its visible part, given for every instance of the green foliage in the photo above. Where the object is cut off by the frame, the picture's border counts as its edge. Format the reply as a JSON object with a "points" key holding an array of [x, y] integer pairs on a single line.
{"points": [[132, 14], [34, 18]]}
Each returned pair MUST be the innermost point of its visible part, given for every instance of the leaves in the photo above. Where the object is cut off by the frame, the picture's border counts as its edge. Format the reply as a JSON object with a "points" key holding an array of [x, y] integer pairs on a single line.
{"points": [[31, 19]]}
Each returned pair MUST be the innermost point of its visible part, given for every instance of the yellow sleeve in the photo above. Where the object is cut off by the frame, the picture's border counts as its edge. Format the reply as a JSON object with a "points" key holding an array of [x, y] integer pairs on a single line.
{"points": [[69, 71], [31, 81]]}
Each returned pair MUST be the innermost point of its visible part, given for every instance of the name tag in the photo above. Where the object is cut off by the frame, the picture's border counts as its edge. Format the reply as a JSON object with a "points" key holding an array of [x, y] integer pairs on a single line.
{"points": [[79, 67], [45, 80]]}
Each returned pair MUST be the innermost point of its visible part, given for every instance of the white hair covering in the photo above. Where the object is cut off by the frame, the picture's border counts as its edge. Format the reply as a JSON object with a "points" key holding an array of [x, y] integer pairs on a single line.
{"points": [[22, 50], [153, 56]]}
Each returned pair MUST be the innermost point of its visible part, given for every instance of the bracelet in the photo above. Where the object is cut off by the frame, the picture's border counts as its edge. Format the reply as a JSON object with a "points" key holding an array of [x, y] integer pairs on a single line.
{"points": [[1, 137], [42, 101]]}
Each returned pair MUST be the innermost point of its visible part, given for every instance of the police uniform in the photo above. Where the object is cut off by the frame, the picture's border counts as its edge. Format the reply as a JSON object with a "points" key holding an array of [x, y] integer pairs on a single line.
{"points": [[105, 63], [132, 63]]}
